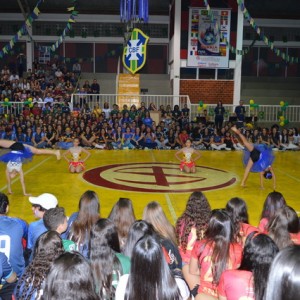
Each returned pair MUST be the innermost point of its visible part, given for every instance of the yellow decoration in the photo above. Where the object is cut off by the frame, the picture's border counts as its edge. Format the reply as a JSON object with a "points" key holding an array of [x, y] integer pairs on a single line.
{"points": [[6, 100], [251, 101], [281, 123], [199, 108], [281, 118], [204, 106], [281, 103], [31, 105], [30, 99], [249, 126]]}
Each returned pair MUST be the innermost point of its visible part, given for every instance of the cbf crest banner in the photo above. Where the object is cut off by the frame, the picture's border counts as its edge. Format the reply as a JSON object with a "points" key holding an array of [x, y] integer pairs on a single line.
{"points": [[134, 54]]}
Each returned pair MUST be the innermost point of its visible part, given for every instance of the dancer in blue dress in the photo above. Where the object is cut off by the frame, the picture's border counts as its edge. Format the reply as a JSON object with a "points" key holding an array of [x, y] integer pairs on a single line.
{"points": [[18, 154], [257, 158]]}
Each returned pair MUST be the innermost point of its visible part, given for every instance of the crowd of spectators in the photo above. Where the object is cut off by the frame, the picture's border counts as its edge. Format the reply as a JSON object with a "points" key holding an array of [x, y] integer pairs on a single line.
{"points": [[208, 254], [49, 119]]}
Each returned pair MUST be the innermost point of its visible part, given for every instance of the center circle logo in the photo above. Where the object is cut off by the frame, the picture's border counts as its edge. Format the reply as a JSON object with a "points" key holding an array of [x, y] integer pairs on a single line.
{"points": [[158, 178]]}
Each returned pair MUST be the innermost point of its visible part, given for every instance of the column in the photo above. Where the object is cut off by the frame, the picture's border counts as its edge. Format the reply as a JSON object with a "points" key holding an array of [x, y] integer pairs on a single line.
{"points": [[29, 49], [238, 59], [176, 51]]}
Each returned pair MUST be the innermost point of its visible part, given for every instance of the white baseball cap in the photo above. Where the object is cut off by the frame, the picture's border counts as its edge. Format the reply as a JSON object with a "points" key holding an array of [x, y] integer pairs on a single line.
{"points": [[45, 200]]}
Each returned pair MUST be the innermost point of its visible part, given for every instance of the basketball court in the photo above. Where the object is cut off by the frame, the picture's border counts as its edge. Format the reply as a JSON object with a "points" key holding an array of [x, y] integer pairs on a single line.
{"points": [[152, 175]]}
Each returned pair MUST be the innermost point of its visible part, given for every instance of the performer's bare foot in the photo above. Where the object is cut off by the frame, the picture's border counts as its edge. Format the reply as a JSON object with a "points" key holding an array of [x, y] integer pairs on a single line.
{"points": [[57, 153], [26, 194], [9, 192], [243, 185]]}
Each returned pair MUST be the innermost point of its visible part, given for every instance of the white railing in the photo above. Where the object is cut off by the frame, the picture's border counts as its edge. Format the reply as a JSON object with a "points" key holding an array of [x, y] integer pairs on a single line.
{"points": [[111, 99], [264, 113]]}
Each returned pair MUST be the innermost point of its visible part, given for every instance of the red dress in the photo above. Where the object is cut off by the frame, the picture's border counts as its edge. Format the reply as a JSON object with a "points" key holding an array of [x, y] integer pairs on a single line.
{"points": [[203, 252]]}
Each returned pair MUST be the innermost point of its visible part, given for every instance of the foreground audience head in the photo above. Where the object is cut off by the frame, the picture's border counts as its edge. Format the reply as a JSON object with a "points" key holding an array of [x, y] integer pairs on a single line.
{"points": [[283, 282], [4, 204], [122, 215], [197, 214], [284, 222], [48, 247], [157, 282], [154, 214], [220, 234], [258, 254], [103, 259], [137, 230], [89, 203], [273, 202], [70, 278]]}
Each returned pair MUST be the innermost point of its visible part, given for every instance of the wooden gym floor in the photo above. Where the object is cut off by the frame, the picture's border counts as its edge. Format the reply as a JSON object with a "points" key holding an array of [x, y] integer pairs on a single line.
{"points": [[152, 175]]}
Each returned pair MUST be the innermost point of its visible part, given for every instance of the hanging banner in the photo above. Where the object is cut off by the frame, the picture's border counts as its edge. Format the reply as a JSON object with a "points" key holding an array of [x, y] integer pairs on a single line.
{"points": [[206, 49], [134, 54]]}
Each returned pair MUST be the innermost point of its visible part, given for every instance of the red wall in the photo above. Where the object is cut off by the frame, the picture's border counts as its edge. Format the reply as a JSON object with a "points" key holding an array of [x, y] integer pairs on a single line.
{"points": [[209, 91]]}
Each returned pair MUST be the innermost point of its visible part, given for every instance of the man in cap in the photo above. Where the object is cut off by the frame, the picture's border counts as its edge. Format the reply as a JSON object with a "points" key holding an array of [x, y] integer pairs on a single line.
{"points": [[40, 205]]}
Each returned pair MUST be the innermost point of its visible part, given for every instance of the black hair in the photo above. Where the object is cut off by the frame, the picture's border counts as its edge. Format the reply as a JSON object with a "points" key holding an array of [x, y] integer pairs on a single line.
{"points": [[283, 281], [137, 230], [70, 278], [258, 254], [4, 203], [157, 282], [54, 217], [104, 262]]}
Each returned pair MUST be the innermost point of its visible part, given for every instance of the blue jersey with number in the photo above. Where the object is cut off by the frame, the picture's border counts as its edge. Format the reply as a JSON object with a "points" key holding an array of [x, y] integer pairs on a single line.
{"points": [[11, 233]]}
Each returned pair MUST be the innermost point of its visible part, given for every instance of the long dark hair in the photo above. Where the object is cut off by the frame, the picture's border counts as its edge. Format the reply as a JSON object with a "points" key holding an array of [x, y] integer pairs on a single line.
{"points": [[89, 213], [273, 202], [237, 209], [137, 230], [122, 215], [157, 283], [283, 281], [258, 254], [47, 248], [219, 235], [104, 244], [70, 277], [284, 222], [197, 214]]}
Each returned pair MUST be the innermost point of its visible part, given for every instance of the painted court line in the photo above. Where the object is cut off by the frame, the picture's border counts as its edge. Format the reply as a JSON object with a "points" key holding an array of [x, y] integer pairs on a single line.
{"points": [[288, 175], [171, 208], [169, 202], [28, 171]]}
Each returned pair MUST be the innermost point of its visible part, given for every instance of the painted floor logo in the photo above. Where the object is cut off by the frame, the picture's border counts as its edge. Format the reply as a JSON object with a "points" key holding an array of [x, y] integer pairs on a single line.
{"points": [[158, 178]]}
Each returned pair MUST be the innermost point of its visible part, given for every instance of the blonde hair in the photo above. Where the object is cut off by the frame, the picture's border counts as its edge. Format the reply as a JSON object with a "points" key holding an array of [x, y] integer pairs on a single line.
{"points": [[154, 214]]}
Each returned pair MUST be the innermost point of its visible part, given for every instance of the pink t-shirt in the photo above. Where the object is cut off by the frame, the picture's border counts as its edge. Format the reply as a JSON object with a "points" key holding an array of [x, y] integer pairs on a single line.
{"points": [[263, 224], [236, 285], [245, 230], [295, 237], [203, 253], [186, 255]]}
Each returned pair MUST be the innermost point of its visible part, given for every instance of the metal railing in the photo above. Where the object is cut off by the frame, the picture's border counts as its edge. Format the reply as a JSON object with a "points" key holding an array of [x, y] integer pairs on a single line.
{"points": [[264, 113], [99, 99]]}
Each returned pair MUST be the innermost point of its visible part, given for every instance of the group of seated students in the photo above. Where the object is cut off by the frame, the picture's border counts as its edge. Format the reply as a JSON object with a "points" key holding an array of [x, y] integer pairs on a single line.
{"points": [[55, 126], [49, 119], [208, 254]]}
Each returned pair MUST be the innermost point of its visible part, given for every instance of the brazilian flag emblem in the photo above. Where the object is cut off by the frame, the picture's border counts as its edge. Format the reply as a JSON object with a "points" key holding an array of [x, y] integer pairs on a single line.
{"points": [[134, 54]]}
